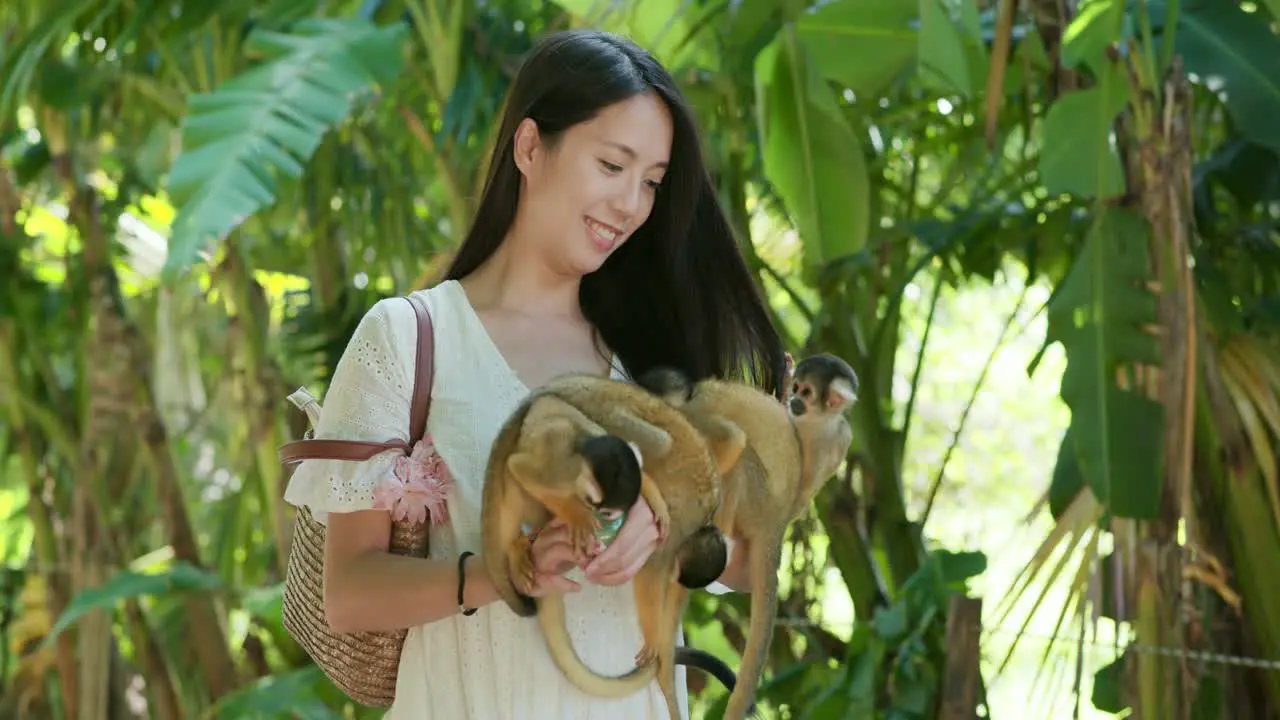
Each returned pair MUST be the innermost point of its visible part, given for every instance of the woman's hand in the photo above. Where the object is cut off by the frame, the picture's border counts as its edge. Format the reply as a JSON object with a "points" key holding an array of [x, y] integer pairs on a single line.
{"points": [[635, 542], [552, 555]]}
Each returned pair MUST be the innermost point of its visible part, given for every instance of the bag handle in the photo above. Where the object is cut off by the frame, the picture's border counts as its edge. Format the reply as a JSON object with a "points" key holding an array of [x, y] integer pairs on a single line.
{"points": [[424, 372], [295, 452]]}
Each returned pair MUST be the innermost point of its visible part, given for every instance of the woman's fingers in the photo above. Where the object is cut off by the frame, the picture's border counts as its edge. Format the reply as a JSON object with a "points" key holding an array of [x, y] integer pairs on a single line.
{"points": [[629, 569], [553, 555], [547, 583], [635, 540]]}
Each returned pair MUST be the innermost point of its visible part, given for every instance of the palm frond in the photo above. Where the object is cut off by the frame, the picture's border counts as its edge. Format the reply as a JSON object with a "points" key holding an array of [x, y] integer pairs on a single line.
{"points": [[266, 123]]}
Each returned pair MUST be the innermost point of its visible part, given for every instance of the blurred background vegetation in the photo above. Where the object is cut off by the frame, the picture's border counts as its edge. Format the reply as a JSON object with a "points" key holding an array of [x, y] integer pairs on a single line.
{"points": [[1044, 232]]}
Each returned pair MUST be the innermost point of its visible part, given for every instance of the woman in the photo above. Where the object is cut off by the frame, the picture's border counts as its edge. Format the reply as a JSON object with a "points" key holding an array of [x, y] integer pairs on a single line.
{"points": [[597, 247]]}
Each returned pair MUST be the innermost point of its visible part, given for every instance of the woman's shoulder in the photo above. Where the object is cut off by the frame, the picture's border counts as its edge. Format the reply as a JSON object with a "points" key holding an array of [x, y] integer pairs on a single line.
{"points": [[394, 317]]}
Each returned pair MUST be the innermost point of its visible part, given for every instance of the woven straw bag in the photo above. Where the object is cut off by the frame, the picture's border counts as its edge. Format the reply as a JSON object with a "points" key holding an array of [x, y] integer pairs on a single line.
{"points": [[363, 665]]}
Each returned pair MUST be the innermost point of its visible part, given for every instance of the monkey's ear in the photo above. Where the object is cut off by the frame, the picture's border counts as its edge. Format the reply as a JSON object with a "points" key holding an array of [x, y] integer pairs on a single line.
{"points": [[586, 485], [840, 395]]}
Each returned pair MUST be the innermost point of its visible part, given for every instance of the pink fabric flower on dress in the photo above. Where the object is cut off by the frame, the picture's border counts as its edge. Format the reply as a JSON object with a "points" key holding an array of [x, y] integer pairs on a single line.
{"points": [[418, 486]]}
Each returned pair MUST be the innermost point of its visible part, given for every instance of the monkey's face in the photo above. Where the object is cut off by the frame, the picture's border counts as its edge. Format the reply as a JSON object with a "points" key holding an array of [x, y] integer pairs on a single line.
{"points": [[614, 467], [702, 558], [823, 385]]}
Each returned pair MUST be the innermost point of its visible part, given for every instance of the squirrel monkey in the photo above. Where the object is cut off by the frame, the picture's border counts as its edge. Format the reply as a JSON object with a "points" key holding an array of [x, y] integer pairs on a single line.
{"points": [[791, 451], [548, 461], [535, 471]]}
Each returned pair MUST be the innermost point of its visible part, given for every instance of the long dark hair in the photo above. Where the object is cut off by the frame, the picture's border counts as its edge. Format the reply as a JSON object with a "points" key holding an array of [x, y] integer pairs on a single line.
{"points": [[678, 292]]}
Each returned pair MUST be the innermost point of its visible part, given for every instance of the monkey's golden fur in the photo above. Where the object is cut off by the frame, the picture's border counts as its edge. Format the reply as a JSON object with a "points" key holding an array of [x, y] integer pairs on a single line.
{"points": [[541, 472], [680, 481], [790, 453]]}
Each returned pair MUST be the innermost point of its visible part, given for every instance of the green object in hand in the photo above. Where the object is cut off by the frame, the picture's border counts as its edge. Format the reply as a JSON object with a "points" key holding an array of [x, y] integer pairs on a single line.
{"points": [[610, 524]]}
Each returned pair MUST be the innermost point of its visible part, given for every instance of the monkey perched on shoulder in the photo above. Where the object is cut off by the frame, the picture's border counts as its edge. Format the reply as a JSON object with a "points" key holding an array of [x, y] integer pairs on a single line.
{"points": [[535, 461], [790, 451]]}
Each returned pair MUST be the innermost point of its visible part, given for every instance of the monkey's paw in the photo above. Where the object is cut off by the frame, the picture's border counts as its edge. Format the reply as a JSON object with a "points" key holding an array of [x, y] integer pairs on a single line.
{"points": [[647, 656], [663, 520], [582, 538], [520, 564]]}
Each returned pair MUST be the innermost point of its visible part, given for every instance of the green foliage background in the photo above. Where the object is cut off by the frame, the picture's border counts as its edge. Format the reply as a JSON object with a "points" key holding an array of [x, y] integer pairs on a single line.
{"points": [[1044, 233]]}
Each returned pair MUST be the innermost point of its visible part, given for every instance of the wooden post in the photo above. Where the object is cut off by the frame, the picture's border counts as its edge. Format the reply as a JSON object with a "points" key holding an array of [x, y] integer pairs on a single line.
{"points": [[961, 677]]}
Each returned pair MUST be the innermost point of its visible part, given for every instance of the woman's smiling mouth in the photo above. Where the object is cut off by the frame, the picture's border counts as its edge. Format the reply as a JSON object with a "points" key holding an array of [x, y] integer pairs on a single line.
{"points": [[603, 235]]}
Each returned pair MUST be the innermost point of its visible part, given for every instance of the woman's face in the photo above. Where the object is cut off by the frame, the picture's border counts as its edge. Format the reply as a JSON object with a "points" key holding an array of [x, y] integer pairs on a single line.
{"points": [[585, 195]]}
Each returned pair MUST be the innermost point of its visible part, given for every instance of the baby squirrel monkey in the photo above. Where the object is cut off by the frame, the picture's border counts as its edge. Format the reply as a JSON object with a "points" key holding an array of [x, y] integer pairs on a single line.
{"points": [[790, 451]]}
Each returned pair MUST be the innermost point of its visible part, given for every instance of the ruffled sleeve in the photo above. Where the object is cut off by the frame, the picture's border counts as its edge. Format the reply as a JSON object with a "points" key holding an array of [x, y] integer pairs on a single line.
{"points": [[368, 398]]}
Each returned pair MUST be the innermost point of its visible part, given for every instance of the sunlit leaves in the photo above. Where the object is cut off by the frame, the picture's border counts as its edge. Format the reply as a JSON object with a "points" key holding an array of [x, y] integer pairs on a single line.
{"points": [[1079, 156], [1096, 25], [1100, 315], [951, 60], [1221, 42], [24, 56], [241, 138], [861, 44], [660, 26], [129, 584], [811, 154]]}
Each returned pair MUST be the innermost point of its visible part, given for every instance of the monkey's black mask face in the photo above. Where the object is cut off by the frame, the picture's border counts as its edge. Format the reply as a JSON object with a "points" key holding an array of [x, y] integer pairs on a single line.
{"points": [[616, 470], [798, 406]]}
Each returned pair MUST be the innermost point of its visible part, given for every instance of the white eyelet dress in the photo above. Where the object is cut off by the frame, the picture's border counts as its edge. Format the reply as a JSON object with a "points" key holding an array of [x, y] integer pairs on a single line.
{"points": [[494, 664]]}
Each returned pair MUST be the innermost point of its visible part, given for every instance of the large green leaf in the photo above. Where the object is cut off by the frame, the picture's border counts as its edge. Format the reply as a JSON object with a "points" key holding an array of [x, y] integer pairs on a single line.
{"points": [[660, 26], [1066, 481], [811, 154], [1098, 315], [266, 122], [292, 694], [130, 584], [1096, 25], [1107, 683], [1219, 40], [1078, 155], [861, 44], [23, 55], [945, 62]]}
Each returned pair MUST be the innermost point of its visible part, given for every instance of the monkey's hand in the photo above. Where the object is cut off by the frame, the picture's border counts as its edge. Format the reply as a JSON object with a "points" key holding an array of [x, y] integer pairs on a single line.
{"points": [[658, 504], [520, 565], [582, 524], [582, 537]]}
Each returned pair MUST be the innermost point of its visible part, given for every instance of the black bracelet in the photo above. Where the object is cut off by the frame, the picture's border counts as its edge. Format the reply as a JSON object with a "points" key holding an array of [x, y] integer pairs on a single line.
{"points": [[462, 582]]}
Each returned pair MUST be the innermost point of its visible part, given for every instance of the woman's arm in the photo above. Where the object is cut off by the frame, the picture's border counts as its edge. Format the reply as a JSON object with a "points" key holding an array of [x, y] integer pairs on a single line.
{"points": [[368, 398], [366, 588]]}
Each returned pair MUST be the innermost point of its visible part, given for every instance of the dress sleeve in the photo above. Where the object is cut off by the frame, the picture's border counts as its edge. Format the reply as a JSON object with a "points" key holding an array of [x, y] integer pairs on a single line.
{"points": [[368, 399]]}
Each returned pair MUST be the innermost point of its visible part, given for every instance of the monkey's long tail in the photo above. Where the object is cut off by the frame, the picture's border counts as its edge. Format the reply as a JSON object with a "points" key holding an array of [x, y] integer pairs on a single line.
{"points": [[712, 665], [708, 663]]}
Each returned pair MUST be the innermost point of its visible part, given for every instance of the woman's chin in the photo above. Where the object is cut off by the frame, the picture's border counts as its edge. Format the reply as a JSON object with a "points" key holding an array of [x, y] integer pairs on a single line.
{"points": [[586, 263]]}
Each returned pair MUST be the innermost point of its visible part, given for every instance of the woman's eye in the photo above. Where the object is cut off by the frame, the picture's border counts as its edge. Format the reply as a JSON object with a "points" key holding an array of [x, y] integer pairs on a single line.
{"points": [[654, 185], [610, 166]]}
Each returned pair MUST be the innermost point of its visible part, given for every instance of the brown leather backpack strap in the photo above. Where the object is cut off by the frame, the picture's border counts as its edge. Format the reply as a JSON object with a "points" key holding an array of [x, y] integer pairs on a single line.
{"points": [[424, 373], [323, 449], [295, 452]]}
